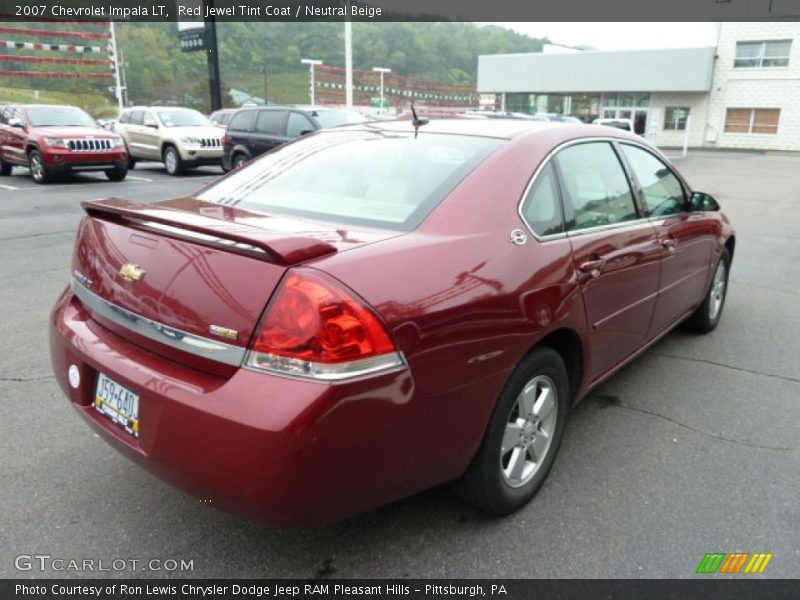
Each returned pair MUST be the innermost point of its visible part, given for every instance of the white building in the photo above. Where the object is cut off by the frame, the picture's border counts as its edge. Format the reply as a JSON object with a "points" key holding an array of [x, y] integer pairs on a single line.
{"points": [[743, 93]]}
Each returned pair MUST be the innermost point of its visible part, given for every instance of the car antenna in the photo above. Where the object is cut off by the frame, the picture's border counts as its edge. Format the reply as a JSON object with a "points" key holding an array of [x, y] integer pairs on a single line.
{"points": [[417, 121]]}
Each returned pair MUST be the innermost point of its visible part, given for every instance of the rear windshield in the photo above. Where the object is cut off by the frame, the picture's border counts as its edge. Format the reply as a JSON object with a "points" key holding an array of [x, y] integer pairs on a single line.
{"points": [[59, 116], [373, 178]]}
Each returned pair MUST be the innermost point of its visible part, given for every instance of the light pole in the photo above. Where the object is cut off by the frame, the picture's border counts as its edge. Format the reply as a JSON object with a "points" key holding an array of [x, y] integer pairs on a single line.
{"points": [[311, 64], [382, 71]]}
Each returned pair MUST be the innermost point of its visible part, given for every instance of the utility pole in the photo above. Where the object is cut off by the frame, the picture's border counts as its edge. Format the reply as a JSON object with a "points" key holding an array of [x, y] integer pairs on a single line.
{"points": [[382, 71], [311, 64], [212, 55], [124, 79], [348, 57], [115, 56]]}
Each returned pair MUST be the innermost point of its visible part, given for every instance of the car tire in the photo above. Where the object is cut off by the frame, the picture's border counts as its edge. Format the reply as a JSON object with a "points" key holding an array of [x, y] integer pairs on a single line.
{"points": [[522, 437], [5, 168], [131, 162], [39, 171], [173, 161], [116, 174], [707, 316], [238, 161]]}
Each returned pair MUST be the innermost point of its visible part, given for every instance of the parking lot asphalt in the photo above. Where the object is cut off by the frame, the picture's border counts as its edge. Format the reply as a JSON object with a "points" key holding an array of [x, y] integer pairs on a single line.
{"points": [[693, 448]]}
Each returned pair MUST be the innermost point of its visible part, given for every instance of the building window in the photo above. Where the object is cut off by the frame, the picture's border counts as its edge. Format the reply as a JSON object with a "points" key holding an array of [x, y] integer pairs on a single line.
{"points": [[763, 54], [675, 117], [752, 120]]}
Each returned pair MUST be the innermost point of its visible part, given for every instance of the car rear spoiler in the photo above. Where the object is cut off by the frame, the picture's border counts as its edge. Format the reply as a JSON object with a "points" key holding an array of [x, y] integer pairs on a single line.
{"points": [[226, 234]]}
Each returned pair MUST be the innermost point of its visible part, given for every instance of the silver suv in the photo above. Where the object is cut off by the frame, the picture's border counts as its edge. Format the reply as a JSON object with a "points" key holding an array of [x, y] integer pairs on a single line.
{"points": [[181, 138]]}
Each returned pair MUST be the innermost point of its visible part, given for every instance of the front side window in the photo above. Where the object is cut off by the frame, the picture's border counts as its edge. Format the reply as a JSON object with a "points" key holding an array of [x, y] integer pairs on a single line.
{"points": [[675, 118], [595, 185], [542, 207], [773, 53], [59, 116], [662, 190], [137, 117], [271, 122], [374, 178], [752, 120], [297, 124]]}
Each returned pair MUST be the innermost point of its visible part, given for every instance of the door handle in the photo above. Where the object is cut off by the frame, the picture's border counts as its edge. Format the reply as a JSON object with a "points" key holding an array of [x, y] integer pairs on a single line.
{"points": [[669, 243], [593, 267]]}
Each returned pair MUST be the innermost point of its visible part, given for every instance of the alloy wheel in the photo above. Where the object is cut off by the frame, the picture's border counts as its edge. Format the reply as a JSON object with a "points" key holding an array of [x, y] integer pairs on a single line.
{"points": [[717, 293], [529, 431], [37, 168]]}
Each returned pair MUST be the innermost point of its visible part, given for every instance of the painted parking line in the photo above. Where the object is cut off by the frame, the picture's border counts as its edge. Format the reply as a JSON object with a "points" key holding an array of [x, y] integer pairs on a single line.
{"points": [[138, 178], [8, 187]]}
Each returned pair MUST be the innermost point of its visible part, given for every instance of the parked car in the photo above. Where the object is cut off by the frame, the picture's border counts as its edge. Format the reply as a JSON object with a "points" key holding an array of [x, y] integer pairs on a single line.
{"points": [[623, 124], [373, 310], [52, 140], [253, 131], [222, 117], [181, 138], [496, 114], [558, 118]]}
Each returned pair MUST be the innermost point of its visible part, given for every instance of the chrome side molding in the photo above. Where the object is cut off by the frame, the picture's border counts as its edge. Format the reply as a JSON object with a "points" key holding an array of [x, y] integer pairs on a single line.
{"points": [[158, 332]]}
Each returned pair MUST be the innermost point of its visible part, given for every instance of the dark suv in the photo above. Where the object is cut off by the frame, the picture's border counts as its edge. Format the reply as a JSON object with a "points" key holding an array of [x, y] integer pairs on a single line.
{"points": [[253, 131]]}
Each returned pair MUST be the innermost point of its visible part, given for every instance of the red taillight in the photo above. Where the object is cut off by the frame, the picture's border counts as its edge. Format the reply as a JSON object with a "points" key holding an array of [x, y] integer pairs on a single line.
{"points": [[316, 327], [226, 141]]}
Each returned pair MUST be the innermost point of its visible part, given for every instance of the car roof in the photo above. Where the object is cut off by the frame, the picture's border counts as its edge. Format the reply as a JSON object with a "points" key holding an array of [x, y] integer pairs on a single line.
{"points": [[496, 128], [42, 105], [507, 129]]}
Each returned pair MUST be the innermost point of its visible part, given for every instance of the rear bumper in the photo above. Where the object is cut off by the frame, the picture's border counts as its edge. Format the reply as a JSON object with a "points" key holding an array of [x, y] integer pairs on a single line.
{"points": [[283, 451]]}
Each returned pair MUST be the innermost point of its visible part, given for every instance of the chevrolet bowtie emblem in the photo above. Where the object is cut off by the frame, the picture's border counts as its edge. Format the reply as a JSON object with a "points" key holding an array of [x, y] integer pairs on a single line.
{"points": [[131, 272]]}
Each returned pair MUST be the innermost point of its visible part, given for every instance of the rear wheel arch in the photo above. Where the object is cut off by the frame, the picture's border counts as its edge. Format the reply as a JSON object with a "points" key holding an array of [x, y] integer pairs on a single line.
{"points": [[567, 343], [730, 244]]}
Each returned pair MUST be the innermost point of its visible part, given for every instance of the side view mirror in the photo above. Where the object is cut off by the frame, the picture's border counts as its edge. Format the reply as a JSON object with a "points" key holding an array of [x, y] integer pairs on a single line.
{"points": [[151, 124], [700, 201], [16, 122], [306, 131]]}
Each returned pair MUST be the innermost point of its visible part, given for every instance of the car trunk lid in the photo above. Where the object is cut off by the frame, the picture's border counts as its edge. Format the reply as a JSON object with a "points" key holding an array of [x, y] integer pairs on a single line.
{"points": [[189, 279]]}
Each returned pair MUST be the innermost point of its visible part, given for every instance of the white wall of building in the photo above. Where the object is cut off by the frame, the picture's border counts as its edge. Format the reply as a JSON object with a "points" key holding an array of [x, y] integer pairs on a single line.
{"points": [[698, 111], [756, 87]]}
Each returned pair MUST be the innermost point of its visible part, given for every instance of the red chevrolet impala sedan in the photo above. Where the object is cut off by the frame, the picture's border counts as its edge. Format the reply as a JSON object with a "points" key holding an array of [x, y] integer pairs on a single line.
{"points": [[373, 310]]}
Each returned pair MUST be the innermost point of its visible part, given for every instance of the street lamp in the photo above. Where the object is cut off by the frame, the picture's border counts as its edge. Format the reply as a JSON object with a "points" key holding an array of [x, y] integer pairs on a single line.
{"points": [[311, 64], [381, 70]]}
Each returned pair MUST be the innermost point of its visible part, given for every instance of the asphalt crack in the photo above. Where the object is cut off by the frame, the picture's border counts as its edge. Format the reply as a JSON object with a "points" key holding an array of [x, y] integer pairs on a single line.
{"points": [[724, 366], [27, 379], [613, 401]]}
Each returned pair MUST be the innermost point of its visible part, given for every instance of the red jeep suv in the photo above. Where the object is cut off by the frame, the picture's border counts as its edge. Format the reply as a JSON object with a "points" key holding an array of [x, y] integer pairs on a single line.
{"points": [[50, 140]]}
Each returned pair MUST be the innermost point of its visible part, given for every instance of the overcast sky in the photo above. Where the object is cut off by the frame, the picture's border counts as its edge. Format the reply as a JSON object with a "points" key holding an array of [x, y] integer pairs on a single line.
{"points": [[622, 36]]}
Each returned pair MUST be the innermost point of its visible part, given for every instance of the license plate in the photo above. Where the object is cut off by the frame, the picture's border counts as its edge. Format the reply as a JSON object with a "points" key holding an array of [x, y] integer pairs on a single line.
{"points": [[118, 403]]}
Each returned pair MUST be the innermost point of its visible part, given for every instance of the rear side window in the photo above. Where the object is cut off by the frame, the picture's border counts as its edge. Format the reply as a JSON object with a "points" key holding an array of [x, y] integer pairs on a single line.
{"points": [[542, 207], [243, 121], [596, 189], [662, 190], [271, 122], [374, 178], [297, 124]]}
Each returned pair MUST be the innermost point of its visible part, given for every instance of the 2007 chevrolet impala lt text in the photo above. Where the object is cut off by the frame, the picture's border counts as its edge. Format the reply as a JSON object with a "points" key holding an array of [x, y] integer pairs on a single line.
{"points": [[377, 309]]}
